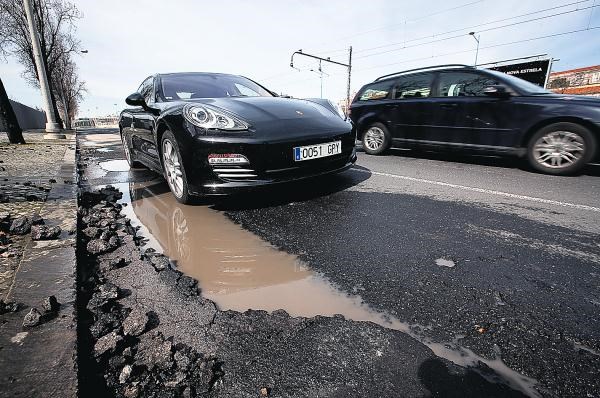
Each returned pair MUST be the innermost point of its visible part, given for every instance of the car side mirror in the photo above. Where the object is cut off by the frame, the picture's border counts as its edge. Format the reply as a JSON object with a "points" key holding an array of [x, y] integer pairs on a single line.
{"points": [[136, 99], [497, 90]]}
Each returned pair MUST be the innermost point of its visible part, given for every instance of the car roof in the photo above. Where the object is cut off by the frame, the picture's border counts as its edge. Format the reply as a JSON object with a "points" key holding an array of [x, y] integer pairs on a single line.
{"points": [[195, 73], [434, 68]]}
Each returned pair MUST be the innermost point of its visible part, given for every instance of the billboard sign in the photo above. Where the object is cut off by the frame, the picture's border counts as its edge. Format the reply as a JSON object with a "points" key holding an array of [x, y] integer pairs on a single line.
{"points": [[535, 72]]}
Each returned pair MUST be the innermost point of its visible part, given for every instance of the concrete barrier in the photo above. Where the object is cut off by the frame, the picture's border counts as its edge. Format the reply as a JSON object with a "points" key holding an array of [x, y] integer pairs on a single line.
{"points": [[29, 118]]}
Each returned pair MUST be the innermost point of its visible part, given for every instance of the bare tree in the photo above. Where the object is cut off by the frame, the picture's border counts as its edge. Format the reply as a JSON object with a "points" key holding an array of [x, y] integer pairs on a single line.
{"points": [[9, 119], [559, 84], [69, 89], [55, 22]]}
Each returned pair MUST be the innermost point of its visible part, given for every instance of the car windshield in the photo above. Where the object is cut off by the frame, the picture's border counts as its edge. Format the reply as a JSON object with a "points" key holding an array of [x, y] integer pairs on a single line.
{"points": [[189, 86], [520, 84]]}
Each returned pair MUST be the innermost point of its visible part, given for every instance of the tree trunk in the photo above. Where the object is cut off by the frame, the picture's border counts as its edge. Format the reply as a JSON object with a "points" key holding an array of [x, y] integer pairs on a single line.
{"points": [[66, 117], [15, 134]]}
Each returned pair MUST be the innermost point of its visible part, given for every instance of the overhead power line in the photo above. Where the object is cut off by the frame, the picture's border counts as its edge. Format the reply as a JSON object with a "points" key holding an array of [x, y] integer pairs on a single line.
{"points": [[481, 48], [329, 52], [415, 19], [364, 32], [403, 43]]}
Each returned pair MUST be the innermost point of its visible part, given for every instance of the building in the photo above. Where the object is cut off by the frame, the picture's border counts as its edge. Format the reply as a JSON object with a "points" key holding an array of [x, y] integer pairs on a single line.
{"points": [[580, 81]]}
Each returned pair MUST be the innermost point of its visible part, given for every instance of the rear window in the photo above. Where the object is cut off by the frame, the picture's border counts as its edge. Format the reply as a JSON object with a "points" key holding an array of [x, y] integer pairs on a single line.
{"points": [[375, 91]]}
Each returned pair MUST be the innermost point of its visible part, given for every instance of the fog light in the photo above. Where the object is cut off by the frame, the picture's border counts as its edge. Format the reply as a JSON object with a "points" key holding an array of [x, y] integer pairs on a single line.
{"points": [[227, 158]]}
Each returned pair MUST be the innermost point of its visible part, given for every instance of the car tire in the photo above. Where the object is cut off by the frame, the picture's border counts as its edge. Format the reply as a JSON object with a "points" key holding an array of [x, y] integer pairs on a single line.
{"points": [[561, 148], [376, 139], [173, 169], [134, 164]]}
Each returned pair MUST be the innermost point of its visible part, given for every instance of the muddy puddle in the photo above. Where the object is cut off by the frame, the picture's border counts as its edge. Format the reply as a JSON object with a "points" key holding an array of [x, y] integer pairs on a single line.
{"points": [[239, 271]]}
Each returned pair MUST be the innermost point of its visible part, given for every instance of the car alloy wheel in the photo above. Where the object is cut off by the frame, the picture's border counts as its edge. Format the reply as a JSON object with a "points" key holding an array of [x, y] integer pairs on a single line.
{"points": [[374, 138], [172, 165], [559, 149]]}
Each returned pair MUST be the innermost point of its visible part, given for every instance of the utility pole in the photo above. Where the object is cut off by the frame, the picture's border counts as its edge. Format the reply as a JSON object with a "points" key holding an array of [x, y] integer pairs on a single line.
{"points": [[348, 88], [328, 59], [53, 130]]}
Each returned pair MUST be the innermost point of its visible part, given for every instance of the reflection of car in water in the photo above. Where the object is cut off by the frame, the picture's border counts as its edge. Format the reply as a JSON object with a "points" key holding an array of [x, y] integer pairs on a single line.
{"points": [[209, 247]]}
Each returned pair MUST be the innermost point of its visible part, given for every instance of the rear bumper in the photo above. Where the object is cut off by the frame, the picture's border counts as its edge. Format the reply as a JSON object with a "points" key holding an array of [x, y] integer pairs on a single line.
{"points": [[269, 163]]}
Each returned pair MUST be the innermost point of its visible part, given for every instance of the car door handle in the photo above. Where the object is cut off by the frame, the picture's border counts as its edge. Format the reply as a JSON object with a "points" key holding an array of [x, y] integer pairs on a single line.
{"points": [[448, 106]]}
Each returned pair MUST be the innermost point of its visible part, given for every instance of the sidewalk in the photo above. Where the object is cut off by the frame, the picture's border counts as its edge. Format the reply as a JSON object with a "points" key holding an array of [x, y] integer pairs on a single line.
{"points": [[38, 180]]}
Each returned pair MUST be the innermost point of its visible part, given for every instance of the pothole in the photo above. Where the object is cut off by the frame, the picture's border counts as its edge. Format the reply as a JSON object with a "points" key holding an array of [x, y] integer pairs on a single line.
{"points": [[239, 271]]}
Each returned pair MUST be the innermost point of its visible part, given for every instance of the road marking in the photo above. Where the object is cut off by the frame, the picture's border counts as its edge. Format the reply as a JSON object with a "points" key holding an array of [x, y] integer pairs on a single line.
{"points": [[482, 190]]}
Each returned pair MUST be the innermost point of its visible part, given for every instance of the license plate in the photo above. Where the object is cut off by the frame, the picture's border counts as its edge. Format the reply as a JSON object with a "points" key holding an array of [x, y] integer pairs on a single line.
{"points": [[317, 151]]}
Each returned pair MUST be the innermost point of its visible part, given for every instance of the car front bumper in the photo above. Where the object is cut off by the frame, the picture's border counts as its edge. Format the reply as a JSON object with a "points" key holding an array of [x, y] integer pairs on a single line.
{"points": [[269, 162]]}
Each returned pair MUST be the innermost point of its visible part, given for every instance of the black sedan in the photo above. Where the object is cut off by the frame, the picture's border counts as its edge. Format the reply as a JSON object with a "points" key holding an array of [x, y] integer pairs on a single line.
{"points": [[459, 107], [215, 134]]}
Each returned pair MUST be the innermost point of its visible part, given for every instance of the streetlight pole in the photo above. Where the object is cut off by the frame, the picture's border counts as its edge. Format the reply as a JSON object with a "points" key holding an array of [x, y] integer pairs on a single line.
{"points": [[52, 128], [477, 51]]}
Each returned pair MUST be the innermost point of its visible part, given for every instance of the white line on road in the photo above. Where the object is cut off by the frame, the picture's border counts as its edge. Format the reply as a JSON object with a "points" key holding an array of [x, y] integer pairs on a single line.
{"points": [[482, 190]]}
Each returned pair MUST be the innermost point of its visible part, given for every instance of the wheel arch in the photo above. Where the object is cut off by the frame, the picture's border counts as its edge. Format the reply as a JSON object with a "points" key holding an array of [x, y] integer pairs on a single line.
{"points": [[561, 119], [366, 121], [161, 127]]}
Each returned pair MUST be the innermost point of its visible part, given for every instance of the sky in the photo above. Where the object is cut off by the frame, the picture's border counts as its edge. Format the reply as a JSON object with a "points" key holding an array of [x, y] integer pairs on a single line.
{"points": [[130, 40]]}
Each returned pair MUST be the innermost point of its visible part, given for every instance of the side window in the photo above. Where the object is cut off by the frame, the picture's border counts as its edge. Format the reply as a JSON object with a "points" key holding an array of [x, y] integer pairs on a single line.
{"points": [[147, 90], [413, 86], [461, 84], [376, 91]]}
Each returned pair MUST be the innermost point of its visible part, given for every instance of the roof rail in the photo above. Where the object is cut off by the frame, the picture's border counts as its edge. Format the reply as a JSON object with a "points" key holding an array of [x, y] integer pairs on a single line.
{"points": [[425, 68]]}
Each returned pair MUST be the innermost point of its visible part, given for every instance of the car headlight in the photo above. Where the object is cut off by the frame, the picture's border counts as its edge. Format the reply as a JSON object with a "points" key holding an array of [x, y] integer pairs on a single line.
{"points": [[209, 117]]}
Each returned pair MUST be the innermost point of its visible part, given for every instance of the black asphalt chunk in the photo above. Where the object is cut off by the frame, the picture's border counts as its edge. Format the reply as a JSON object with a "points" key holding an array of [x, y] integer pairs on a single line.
{"points": [[20, 225]]}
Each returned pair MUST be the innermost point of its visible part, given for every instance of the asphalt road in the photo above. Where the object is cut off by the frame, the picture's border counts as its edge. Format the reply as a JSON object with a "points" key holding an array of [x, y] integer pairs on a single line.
{"points": [[479, 256], [523, 249]]}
